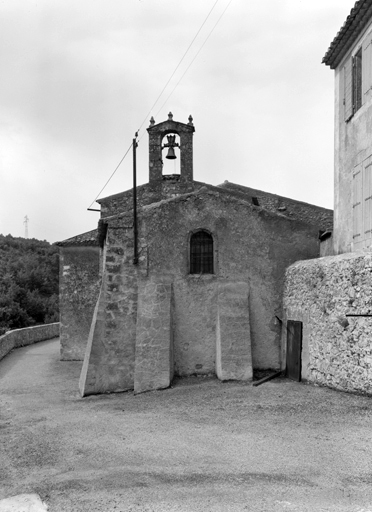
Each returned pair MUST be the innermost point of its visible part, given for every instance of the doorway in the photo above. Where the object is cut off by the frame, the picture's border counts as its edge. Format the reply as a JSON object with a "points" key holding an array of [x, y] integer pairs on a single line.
{"points": [[294, 349]]}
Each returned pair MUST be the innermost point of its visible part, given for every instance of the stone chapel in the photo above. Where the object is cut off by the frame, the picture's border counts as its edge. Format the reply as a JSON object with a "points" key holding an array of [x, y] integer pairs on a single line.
{"points": [[192, 287]]}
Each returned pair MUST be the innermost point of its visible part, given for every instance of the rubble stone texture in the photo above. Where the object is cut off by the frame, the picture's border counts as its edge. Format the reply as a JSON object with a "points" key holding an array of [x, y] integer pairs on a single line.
{"points": [[337, 349], [109, 359]]}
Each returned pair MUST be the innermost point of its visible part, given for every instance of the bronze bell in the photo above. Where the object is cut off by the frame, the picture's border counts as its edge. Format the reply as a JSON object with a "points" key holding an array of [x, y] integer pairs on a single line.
{"points": [[171, 144], [171, 154]]}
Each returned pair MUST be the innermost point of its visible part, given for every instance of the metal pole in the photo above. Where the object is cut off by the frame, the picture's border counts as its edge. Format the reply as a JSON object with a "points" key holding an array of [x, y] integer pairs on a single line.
{"points": [[135, 228]]}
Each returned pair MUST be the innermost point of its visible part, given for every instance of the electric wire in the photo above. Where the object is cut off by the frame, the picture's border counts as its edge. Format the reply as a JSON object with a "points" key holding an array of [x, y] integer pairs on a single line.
{"points": [[116, 168], [195, 56], [178, 65], [167, 83], [159, 96], [200, 49]]}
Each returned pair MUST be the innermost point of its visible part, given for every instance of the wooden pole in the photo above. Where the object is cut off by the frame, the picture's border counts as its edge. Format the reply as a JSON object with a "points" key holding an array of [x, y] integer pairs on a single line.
{"points": [[135, 227]]}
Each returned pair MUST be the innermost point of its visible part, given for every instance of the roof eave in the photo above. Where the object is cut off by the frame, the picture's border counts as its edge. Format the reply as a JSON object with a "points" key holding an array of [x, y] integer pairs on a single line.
{"points": [[354, 24]]}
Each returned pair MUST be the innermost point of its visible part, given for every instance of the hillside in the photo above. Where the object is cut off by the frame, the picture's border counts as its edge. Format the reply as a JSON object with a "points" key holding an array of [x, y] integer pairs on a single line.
{"points": [[28, 282]]}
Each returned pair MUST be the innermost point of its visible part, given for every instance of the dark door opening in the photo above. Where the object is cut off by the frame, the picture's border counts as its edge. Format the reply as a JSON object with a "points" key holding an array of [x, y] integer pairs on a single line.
{"points": [[294, 348]]}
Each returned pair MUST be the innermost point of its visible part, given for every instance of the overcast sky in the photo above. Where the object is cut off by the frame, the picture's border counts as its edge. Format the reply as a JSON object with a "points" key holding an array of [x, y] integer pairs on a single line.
{"points": [[79, 77]]}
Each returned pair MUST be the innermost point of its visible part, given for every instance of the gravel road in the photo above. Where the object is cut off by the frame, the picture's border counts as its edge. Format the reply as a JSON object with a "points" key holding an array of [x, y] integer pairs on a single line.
{"points": [[201, 445]]}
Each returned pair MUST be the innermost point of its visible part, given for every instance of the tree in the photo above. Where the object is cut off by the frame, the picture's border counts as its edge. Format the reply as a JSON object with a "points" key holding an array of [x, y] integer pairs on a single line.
{"points": [[29, 273]]}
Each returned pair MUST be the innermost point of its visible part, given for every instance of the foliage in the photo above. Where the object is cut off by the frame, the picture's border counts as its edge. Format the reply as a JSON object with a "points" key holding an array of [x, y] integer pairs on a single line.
{"points": [[29, 273]]}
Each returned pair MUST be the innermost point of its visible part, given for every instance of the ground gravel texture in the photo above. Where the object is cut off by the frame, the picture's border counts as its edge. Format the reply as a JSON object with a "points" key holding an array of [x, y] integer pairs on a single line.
{"points": [[201, 445]]}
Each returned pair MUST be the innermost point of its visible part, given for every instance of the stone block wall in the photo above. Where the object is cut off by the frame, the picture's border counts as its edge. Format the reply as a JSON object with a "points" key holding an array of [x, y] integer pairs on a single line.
{"points": [[79, 289], [155, 317], [233, 340], [149, 193], [154, 335], [251, 245], [337, 349], [309, 213], [109, 359], [27, 336]]}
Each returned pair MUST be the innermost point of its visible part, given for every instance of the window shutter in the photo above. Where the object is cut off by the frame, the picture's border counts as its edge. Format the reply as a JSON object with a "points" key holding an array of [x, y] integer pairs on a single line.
{"points": [[367, 197], [367, 67], [357, 206], [357, 80], [348, 90]]}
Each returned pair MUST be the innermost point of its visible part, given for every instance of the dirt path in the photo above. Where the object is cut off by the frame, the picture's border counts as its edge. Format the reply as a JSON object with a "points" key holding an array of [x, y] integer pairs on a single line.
{"points": [[199, 446]]}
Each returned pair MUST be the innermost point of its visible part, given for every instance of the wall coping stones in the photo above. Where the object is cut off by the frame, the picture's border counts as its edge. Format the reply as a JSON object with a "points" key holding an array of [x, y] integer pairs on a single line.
{"points": [[27, 336], [324, 294]]}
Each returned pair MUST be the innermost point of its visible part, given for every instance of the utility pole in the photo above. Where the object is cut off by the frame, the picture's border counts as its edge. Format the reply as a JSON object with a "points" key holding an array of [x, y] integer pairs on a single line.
{"points": [[25, 222], [135, 228]]}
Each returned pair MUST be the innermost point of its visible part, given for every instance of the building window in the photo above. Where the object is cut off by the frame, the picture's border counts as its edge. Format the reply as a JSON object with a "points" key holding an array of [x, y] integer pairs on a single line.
{"points": [[357, 80], [201, 253], [353, 96]]}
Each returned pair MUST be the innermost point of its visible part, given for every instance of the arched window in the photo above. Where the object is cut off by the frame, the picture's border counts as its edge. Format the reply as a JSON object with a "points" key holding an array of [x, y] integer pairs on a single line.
{"points": [[201, 253]]}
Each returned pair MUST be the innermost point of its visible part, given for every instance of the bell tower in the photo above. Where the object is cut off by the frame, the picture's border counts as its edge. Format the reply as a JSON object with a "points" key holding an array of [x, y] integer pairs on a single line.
{"points": [[157, 143]]}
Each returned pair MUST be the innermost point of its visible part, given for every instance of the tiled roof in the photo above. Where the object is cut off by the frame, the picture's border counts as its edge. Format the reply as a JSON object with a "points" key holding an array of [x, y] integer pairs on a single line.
{"points": [[357, 20], [88, 238]]}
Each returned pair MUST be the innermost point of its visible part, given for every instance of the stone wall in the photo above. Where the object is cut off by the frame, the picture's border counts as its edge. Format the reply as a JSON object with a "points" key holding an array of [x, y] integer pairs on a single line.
{"points": [[250, 244], [309, 213], [172, 186], [22, 337], [155, 317], [110, 355], [149, 193], [79, 289], [337, 350]]}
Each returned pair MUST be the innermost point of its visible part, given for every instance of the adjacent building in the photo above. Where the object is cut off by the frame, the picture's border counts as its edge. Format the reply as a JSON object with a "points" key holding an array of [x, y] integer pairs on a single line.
{"points": [[328, 302], [350, 56]]}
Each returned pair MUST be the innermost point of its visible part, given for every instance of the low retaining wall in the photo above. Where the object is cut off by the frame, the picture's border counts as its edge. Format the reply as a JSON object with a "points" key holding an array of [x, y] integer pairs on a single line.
{"points": [[336, 349], [28, 336]]}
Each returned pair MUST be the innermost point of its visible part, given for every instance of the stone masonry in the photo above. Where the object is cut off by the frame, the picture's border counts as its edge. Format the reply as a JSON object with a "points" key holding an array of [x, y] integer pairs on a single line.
{"points": [[154, 336], [157, 316], [337, 349], [78, 292], [233, 349], [109, 358]]}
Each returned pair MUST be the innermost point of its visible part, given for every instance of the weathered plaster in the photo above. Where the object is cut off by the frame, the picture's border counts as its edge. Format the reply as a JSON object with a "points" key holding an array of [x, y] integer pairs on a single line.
{"points": [[233, 341], [154, 336], [352, 146], [189, 326], [79, 288]]}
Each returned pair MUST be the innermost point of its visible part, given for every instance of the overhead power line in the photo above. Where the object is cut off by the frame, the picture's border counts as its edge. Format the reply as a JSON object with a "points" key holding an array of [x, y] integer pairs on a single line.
{"points": [[168, 81], [189, 66], [178, 65], [116, 168]]}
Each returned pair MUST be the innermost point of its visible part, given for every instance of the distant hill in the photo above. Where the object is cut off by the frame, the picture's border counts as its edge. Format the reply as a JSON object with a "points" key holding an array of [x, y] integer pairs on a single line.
{"points": [[28, 283]]}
